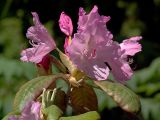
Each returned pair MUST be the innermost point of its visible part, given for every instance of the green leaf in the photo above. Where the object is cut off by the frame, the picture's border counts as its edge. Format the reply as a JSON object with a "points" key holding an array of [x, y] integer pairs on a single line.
{"points": [[52, 113], [33, 88], [93, 115], [125, 98], [83, 99]]}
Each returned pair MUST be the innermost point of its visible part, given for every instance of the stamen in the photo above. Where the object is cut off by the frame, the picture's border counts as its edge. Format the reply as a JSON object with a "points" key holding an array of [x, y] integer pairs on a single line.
{"points": [[53, 94]]}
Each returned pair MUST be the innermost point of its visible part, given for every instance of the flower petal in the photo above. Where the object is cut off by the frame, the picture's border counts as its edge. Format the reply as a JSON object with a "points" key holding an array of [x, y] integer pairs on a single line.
{"points": [[35, 54], [131, 45]]}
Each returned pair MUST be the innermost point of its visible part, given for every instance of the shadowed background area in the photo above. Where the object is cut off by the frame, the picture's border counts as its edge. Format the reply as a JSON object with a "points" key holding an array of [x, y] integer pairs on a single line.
{"points": [[128, 18]]}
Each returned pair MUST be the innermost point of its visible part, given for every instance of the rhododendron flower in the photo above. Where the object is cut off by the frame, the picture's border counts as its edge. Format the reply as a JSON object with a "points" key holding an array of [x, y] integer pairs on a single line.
{"points": [[41, 41], [30, 112], [94, 52], [66, 26]]}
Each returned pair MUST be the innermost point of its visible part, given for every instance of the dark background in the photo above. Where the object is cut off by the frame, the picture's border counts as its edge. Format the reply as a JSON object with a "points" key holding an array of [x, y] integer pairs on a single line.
{"points": [[128, 18]]}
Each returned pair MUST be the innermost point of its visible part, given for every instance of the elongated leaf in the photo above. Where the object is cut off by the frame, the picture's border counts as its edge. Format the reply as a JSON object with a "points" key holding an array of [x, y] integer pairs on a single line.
{"points": [[83, 99], [125, 98], [93, 115], [32, 89], [52, 113]]}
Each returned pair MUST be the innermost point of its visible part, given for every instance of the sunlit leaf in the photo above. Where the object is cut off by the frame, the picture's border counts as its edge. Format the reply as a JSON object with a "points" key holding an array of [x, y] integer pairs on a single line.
{"points": [[125, 98]]}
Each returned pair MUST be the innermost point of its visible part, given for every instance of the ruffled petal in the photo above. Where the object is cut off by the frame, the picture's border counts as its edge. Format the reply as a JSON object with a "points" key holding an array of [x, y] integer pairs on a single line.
{"points": [[35, 54], [131, 45]]}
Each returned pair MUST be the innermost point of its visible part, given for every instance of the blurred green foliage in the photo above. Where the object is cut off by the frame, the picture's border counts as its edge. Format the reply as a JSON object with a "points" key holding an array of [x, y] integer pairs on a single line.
{"points": [[129, 18], [13, 73], [11, 37], [146, 83]]}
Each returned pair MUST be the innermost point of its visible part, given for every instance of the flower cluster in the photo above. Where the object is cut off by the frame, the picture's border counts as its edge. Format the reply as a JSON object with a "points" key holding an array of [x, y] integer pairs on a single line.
{"points": [[92, 49], [90, 52]]}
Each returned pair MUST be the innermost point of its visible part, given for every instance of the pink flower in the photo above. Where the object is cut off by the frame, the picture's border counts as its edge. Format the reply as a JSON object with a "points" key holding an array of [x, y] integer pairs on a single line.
{"points": [[41, 41], [65, 24], [30, 112], [94, 52]]}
